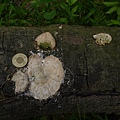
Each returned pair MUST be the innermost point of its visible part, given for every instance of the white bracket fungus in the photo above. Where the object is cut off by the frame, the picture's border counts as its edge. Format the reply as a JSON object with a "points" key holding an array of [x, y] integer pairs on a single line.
{"points": [[19, 60], [21, 81], [44, 76], [45, 38], [102, 38], [48, 76]]}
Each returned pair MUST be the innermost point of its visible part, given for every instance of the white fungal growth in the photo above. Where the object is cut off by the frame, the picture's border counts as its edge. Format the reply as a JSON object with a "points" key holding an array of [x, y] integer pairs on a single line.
{"points": [[102, 38], [34, 61], [45, 76], [21, 81], [48, 76], [19, 60], [45, 38]]}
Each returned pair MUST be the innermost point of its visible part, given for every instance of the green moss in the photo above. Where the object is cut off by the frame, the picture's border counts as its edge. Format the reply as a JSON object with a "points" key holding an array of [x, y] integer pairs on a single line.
{"points": [[45, 46]]}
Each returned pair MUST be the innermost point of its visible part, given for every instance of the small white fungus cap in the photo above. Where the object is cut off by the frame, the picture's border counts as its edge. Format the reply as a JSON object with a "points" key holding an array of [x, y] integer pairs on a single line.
{"points": [[19, 60]]}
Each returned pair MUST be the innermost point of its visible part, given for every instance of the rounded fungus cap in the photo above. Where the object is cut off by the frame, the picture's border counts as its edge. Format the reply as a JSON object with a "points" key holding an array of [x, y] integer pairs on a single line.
{"points": [[48, 76], [45, 38], [102, 38], [19, 60]]}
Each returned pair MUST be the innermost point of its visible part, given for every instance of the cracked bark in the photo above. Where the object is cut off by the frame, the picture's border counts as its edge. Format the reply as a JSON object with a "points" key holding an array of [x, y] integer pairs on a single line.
{"points": [[92, 72], [86, 62]]}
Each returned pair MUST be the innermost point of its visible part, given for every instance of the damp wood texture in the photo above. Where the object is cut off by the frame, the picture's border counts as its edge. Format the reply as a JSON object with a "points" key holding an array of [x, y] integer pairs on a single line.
{"points": [[92, 77]]}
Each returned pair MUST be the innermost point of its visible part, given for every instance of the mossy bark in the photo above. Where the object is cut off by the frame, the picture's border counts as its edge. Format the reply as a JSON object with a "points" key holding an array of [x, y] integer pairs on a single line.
{"points": [[92, 80]]}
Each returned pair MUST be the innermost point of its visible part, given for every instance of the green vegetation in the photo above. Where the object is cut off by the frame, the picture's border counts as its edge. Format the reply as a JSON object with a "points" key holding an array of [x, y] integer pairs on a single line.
{"points": [[114, 10], [72, 12], [45, 46]]}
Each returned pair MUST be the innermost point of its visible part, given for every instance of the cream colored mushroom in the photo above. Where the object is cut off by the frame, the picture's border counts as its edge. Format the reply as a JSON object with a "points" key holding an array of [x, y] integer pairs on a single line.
{"points": [[19, 60], [102, 38], [21, 81], [45, 38], [48, 76]]}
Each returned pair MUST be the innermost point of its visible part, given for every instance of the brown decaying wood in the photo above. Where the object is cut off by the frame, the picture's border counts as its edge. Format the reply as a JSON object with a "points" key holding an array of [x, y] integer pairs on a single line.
{"points": [[92, 82]]}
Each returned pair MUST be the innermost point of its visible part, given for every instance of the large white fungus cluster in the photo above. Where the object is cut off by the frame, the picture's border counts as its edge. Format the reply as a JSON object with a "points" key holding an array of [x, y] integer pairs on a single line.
{"points": [[44, 76], [47, 74]]}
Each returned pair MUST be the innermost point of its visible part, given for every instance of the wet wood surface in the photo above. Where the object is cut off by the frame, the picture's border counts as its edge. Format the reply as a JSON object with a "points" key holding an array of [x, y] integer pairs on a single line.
{"points": [[92, 79]]}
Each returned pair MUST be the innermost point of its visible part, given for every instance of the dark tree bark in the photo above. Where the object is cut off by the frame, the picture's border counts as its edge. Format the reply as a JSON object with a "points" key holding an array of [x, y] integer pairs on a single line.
{"points": [[92, 81]]}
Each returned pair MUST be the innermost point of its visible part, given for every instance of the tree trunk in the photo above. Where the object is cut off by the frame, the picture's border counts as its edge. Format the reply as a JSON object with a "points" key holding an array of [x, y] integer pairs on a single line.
{"points": [[92, 79]]}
